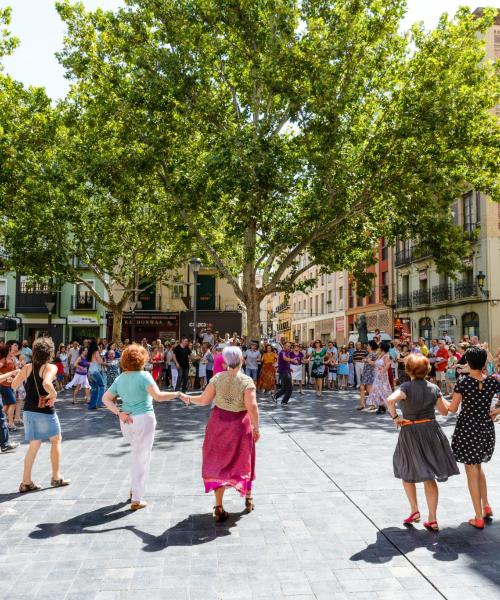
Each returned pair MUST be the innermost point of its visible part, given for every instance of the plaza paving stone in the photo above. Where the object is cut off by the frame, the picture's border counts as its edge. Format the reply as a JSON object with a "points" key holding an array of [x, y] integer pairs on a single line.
{"points": [[327, 523]]}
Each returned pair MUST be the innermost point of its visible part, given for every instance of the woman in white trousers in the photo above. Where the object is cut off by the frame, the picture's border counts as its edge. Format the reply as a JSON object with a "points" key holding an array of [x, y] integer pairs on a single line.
{"points": [[137, 389]]}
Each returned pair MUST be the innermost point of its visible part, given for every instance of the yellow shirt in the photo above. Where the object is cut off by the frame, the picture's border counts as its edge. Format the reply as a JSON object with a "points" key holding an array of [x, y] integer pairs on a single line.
{"points": [[424, 350], [230, 390]]}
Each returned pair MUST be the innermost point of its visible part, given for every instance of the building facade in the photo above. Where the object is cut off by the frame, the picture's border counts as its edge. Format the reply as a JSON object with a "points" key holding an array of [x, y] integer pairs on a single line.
{"points": [[377, 307], [429, 303], [165, 311]]}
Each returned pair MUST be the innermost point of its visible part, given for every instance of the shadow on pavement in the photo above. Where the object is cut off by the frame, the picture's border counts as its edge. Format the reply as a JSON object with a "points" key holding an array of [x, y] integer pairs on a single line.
{"points": [[194, 530], [446, 546], [81, 523]]}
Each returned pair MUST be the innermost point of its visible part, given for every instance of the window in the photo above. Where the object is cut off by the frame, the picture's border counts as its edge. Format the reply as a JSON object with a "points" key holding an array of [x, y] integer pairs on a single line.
{"points": [[310, 306], [3, 294], [316, 302], [405, 285], [329, 301], [341, 298], [351, 296], [384, 290], [469, 224], [425, 329], [478, 207], [360, 301], [384, 249], [322, 304], [177, 290], [470, 324]]}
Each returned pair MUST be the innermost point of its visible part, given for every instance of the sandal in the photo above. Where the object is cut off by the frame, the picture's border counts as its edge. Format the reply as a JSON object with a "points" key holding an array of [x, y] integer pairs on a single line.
{"points": [[431, 526], [477, 523], [413, 518], [138, 505], [59, 482], [29, 487], [220, 515], [487, 512], [249, 505]]}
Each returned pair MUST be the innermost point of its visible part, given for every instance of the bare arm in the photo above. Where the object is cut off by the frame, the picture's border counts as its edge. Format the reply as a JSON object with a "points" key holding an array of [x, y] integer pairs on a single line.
{"points": [[49, 374], [450, 407], [108, 401], [205, 398], [253, 411], [154, 391], [10, 375], [396, 396], [21, 376]]}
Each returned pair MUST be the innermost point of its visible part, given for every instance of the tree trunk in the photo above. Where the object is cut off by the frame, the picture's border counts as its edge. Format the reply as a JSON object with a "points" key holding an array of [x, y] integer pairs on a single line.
{"points": [[117, 324], [253, 316]]}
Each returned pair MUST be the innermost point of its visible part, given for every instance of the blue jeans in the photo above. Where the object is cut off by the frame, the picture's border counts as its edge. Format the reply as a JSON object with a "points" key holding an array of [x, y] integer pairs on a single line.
{"points": [[97, 385], [4, 430], [253, 373]]}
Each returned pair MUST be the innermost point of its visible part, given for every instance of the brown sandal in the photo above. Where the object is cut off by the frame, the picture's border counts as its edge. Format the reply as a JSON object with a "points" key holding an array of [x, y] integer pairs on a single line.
{"points": [[249, 505], [220, 515], [29, 487], [59, 482]]}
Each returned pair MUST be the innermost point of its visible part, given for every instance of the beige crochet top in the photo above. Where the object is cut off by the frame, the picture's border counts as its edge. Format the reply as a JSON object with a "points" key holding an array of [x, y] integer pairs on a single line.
{"points": [[230, 390]]}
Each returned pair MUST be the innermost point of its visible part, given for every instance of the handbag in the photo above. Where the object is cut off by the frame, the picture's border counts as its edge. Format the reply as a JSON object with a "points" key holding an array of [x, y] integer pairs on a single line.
{"points": [[42, 400]]}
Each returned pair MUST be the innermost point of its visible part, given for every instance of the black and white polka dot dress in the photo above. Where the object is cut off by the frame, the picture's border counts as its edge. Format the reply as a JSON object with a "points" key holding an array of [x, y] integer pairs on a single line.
{"points": [[473, 440]]}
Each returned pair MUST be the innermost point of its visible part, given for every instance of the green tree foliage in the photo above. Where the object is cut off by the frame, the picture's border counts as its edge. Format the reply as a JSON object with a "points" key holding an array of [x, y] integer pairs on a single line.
{"points": [[69, 197]]}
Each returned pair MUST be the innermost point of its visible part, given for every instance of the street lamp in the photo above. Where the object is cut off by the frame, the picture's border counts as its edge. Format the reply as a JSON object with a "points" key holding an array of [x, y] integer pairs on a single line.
{"points": [[481, 282], [195, 265], [50, 308]]}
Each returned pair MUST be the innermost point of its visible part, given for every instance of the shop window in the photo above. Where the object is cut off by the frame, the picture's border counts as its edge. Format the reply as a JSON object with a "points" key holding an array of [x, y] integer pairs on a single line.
{"points": [[470, 324]]}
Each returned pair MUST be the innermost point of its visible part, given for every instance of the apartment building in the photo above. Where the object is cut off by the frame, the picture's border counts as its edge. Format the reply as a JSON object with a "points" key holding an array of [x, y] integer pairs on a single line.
{"points": [[377, 307]]}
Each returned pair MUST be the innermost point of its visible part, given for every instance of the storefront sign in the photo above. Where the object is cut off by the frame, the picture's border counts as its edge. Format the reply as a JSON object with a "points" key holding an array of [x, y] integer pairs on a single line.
{"points": [[149, 322], [340, 325], [82, 320], [422, 275]]}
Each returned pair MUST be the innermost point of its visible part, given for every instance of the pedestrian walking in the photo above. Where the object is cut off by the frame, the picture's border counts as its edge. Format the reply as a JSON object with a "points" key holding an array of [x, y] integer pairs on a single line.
{"points": [[285, 361], [473, 441], [423, 453], [231, 433], [41, 423], [137, 389], [267, 377]]}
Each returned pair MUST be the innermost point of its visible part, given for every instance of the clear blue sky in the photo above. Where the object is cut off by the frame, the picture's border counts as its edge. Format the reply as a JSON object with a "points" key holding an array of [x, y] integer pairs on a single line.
{"points": [[37, 24]]}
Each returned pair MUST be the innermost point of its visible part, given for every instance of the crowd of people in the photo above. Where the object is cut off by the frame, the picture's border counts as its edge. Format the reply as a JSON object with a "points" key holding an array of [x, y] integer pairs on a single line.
{"points": [[229, 371]]}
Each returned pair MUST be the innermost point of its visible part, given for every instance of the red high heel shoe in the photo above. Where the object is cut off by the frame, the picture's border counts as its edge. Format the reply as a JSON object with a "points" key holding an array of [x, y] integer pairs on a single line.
{"points": [[413, 518], [431, 526], [477, 523], [487, 512]]}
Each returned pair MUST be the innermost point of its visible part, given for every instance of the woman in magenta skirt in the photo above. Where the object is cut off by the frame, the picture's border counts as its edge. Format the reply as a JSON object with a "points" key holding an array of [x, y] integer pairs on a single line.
{"points": [[231, 433]]}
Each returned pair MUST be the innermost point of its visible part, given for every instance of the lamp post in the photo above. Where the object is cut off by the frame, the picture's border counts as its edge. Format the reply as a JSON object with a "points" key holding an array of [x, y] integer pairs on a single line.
{"points": [[133, 306], [50, 308], [195, 265]]}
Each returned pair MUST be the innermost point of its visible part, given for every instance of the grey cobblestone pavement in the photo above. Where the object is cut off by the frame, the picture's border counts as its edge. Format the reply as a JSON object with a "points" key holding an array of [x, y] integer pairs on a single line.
{"points": [[327, 523]]}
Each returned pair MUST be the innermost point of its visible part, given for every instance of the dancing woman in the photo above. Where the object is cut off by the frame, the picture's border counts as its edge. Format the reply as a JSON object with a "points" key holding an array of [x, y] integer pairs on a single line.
{"points": [[80, 379], [137, 389], [40, 419], [231, 433]]}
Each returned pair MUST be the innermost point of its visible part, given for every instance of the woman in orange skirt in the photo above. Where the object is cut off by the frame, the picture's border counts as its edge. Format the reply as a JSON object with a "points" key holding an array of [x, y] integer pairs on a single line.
{"points": [[267, 377]]}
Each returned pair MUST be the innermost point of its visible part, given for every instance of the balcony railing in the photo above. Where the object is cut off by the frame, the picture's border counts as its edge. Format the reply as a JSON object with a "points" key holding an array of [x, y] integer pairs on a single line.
{"points": [[441, 293], [83, 301], [465, 289], [421, 297], [282, 307], [4, 302], [403, 257], [403, 301], [32, 297]]}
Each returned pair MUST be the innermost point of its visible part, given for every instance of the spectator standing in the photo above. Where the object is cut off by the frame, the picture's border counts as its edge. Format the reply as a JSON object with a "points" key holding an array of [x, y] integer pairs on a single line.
{"points": [[252, 358], [182, 352], [358, 358], [441, 364], [26, 351]]}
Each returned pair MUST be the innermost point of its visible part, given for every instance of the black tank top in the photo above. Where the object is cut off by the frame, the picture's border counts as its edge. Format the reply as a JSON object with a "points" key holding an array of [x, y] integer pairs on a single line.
{"points": [[31, 400]]}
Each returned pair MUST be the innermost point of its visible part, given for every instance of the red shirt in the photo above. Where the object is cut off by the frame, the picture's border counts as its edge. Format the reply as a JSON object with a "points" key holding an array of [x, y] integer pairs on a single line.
{"points": [[442, 353], [60, 368], [8, 366]]}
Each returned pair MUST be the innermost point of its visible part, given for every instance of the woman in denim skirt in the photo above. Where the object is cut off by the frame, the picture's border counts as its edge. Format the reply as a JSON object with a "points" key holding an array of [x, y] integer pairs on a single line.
{"points": [[40, 419]]}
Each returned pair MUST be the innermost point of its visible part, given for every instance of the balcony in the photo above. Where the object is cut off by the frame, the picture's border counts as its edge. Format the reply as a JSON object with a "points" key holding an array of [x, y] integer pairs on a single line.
{"points": [[4, 302], [282, 307], [84, 301], [31, 297], [79, 264], [403, 301], [441, 293], [465, 289], [421, 297], [403, 257]]}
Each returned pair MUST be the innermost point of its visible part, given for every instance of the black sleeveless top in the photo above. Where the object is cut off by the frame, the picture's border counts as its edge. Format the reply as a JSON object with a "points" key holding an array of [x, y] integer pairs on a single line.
{"points": [[31, 400]]}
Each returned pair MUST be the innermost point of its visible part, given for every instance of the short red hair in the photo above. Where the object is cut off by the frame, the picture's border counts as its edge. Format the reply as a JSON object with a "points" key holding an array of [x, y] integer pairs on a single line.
{"points": [[417, 366], [134, 358]]}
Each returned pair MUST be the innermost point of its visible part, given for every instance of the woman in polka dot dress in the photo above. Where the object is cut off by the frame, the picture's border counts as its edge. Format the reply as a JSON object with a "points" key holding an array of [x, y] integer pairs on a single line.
{"points": [[473, 440]]}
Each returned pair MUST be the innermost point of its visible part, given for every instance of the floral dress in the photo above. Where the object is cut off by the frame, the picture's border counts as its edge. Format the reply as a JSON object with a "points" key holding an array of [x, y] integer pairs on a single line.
{"points": [[368, 375], [318, 363], [381, 388]]}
